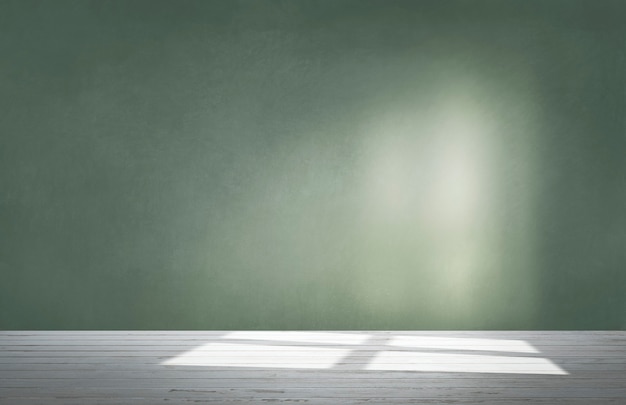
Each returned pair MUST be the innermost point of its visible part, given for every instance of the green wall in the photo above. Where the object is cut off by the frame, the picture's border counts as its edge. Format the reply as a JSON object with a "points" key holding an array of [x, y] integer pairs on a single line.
{"points": [[323, 164]]}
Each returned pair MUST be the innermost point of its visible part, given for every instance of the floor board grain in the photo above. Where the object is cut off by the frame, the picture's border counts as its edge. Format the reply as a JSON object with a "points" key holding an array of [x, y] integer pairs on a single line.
{"points": [[338, 367]]}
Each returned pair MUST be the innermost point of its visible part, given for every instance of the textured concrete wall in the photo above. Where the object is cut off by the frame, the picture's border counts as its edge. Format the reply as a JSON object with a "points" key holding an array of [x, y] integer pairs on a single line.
{"points": [[313, 164]]}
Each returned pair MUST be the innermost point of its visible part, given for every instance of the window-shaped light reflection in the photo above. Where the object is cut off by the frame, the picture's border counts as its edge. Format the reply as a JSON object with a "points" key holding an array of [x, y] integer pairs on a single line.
{"points": [[358, 351], [303, 337], [462, 363], [452, 343], [259, 356]]}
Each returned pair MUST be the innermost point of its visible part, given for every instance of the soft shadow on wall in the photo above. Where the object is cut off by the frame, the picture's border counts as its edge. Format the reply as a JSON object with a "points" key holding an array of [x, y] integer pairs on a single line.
{"points": [[313, 165]]}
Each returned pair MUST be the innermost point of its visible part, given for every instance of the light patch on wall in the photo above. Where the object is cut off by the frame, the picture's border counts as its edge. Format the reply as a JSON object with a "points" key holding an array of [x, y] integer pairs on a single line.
{"points": [[459, 200], [427, 197], [458, 193]]}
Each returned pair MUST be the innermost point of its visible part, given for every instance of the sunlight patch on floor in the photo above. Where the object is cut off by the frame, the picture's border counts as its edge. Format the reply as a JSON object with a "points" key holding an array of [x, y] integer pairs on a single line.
{"points": [[303, 337], [462, 363], [355, 351], [246, 355], [450, 343]]}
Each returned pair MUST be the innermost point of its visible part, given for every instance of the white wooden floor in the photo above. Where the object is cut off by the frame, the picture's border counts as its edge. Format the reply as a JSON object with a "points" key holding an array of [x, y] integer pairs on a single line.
{"points": [[342, 367]]}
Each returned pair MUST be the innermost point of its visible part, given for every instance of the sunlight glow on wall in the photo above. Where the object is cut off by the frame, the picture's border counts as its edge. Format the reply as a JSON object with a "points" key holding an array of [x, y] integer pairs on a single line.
{"points": [[458, 189], [459, 199], [428, 194]]}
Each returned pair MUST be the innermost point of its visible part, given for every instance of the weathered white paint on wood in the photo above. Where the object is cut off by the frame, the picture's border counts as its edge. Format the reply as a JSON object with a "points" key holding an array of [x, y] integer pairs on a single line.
{"points": [[350, 367], [318, 401]]}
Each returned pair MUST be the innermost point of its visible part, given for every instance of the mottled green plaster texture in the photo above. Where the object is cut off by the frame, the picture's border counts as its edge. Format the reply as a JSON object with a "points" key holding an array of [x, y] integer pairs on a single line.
{"points": [[328, 164]]}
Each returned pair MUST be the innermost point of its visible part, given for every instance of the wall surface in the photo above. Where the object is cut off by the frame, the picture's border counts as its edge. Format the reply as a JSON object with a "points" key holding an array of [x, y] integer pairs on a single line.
{"points": [[324, 164]]}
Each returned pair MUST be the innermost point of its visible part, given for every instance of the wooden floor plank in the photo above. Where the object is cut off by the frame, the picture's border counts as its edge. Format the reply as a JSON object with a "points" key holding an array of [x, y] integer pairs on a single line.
{"points": [[330, 393], [120, 381], [129, 367], [313, 401]]}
